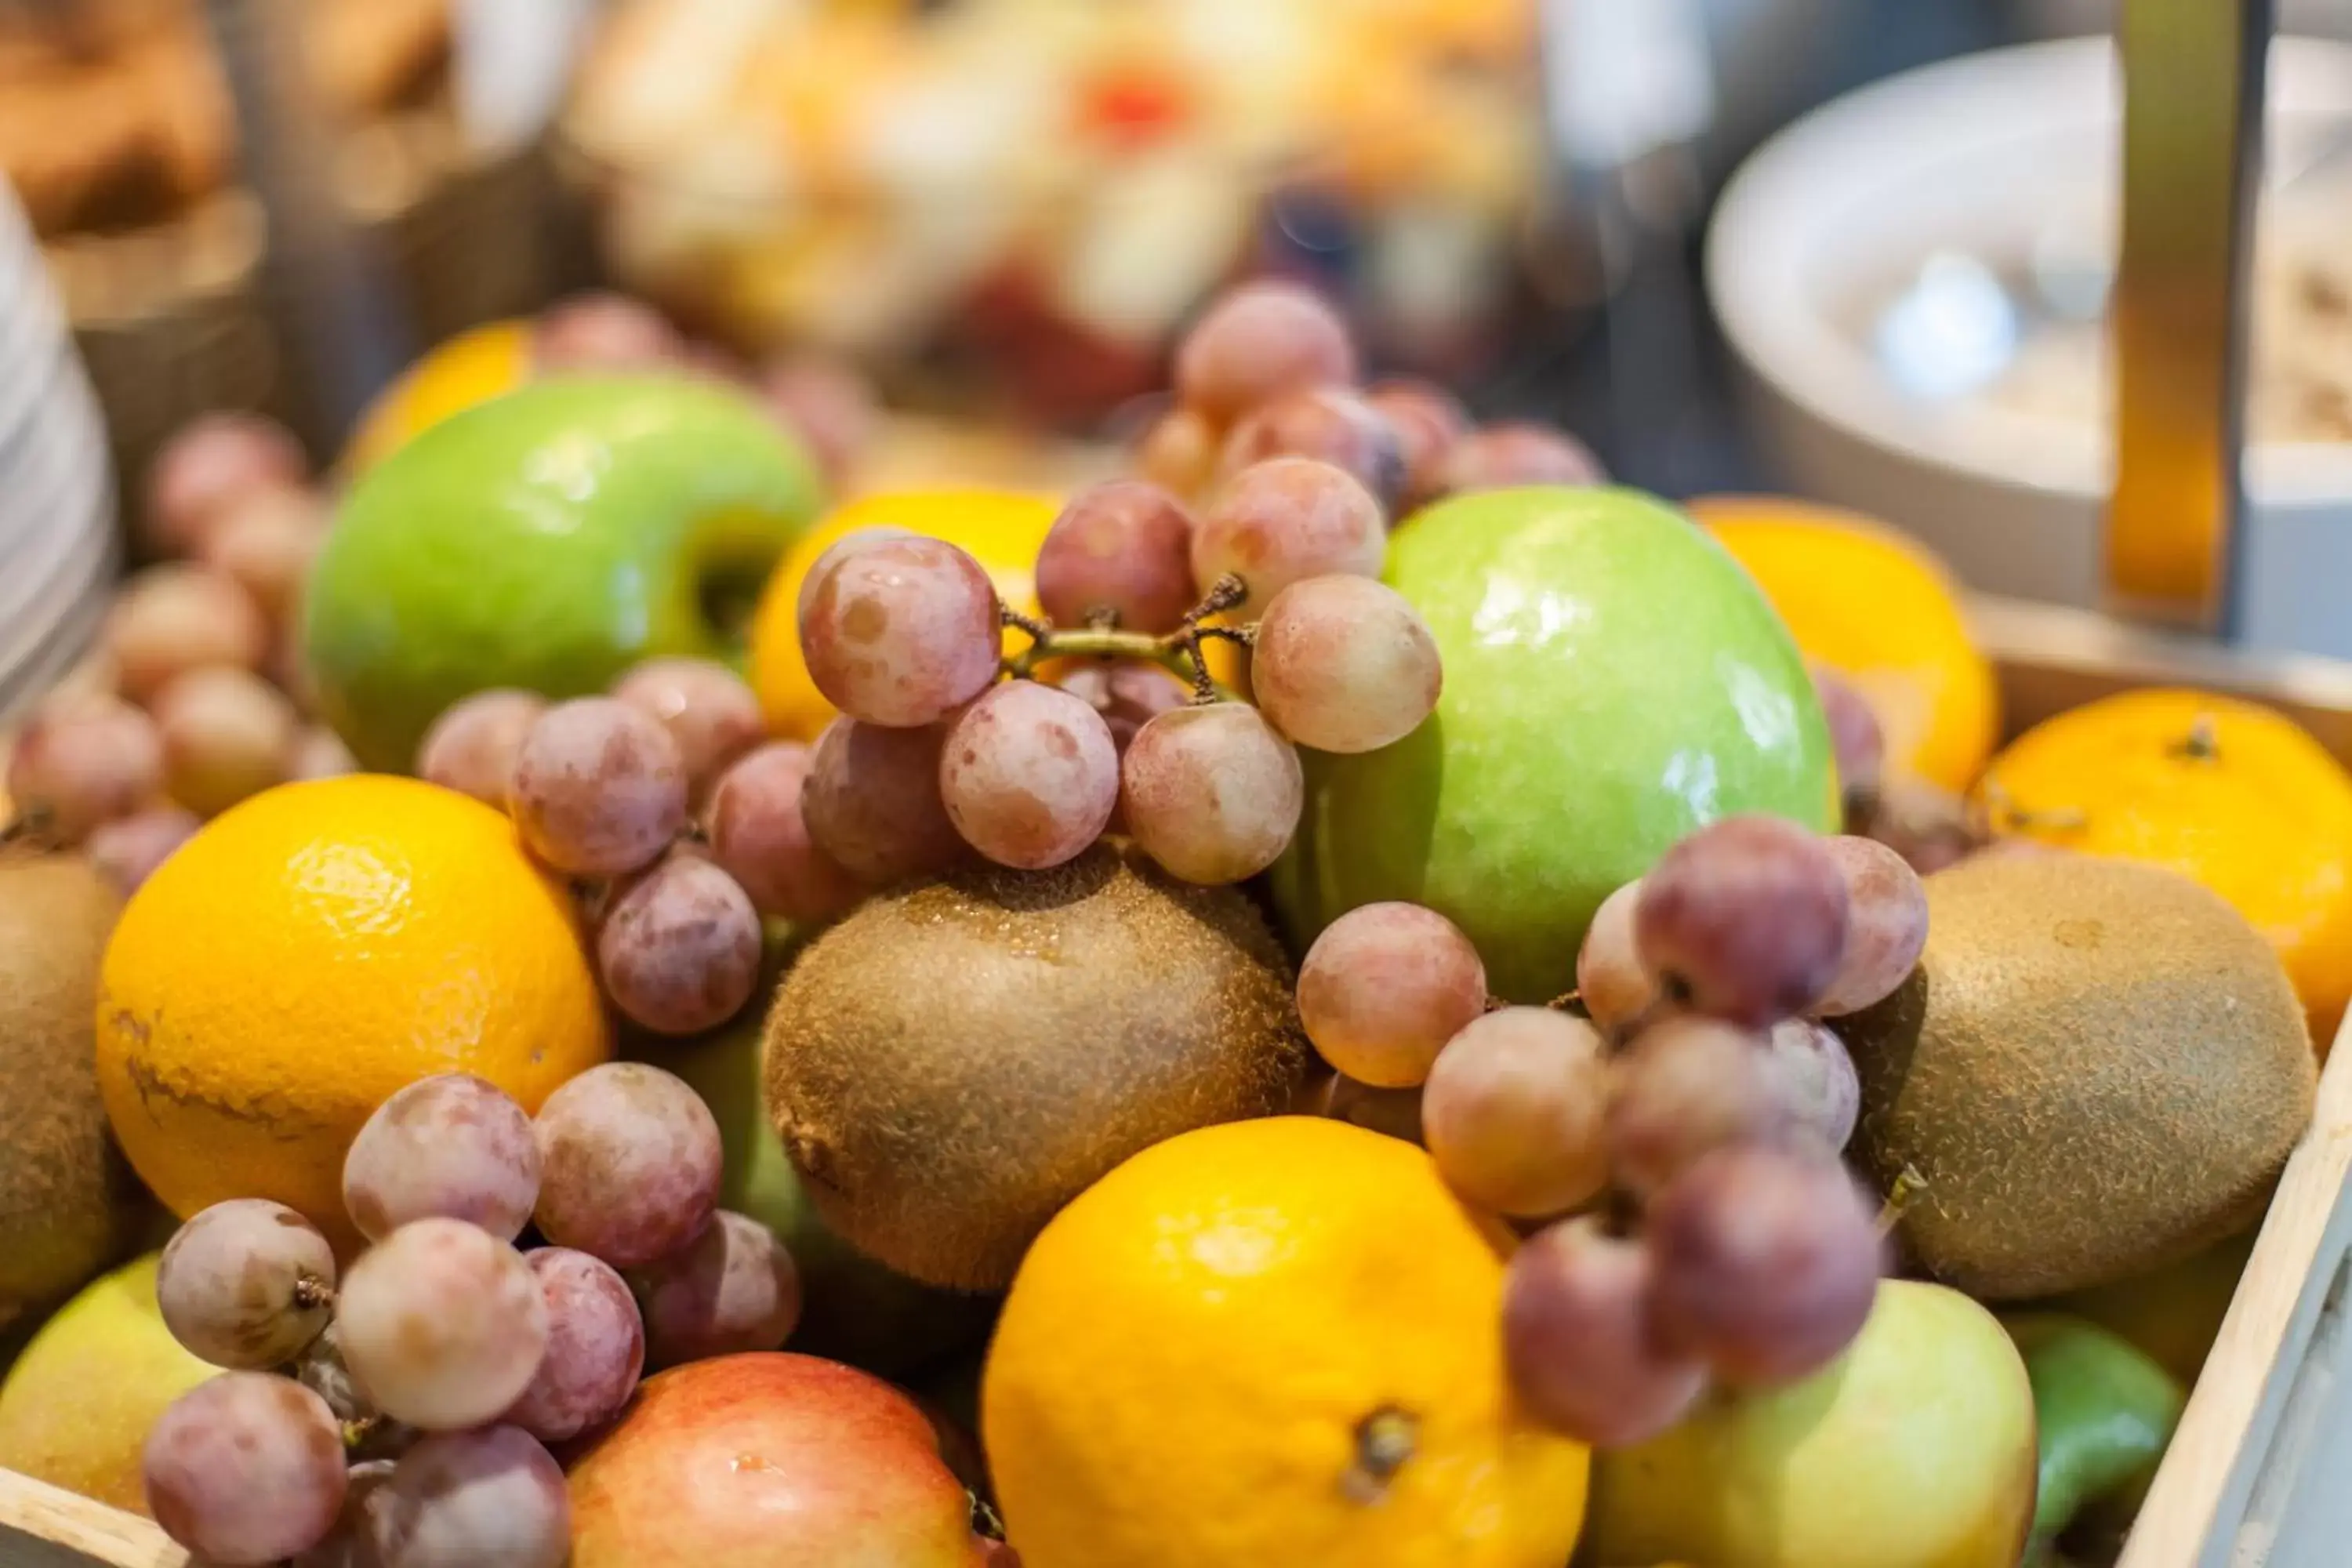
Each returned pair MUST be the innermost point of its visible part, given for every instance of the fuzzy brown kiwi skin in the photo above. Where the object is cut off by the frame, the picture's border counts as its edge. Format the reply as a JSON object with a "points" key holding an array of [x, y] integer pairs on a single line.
{"points": [[2098, 1068], [69, 1206], [956, 1060]]}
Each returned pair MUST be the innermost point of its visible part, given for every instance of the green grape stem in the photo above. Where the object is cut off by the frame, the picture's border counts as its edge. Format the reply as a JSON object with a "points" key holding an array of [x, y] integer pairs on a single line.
{"points": [[1178, 652]]}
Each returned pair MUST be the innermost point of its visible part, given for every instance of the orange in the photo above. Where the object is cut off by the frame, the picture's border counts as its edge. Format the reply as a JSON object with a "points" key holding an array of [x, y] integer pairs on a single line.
{"points": [[1001, 528], [1264, 1345], [472, 367], [310, 951], [2229, 794], [1883, 611]]}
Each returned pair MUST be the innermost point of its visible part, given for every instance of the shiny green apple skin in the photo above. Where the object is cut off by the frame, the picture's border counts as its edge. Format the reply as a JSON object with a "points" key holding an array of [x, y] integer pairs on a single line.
{"points": [[547, 539], [1915, 1449], [1613, 680]]}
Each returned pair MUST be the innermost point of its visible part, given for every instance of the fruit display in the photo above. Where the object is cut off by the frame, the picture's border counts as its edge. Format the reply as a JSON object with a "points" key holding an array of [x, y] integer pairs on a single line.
{"points": [[1018, 203], [1351, 994]]}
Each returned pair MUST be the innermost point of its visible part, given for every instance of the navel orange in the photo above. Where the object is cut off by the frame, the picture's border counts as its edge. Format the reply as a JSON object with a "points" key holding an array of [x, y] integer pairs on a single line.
{"points": [[1269, 1343], [2234, 796], [310, 951]]}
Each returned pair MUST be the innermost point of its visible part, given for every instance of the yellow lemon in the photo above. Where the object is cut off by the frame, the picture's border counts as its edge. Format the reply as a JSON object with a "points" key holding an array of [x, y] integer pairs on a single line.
{"points": [[310, 951], [1266, 1344]]}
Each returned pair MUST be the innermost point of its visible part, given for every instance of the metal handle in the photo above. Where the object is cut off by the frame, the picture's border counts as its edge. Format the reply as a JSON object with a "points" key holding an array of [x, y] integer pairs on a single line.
{"points": [[2193, 79]]}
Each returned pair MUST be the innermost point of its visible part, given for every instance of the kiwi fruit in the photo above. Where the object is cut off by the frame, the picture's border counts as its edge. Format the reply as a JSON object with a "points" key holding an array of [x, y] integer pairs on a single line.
{"points": [[68, 1202], [956, 1059], [2098, 1068]]}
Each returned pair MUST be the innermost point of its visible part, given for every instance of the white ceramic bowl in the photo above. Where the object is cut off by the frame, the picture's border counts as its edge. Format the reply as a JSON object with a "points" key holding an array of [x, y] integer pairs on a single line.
{"points": [[1983, 154]]}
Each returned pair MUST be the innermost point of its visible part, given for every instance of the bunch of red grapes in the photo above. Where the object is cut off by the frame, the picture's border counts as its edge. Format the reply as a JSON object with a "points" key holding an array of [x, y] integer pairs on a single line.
{"points": [[400, 1414], [1688, 1115]]}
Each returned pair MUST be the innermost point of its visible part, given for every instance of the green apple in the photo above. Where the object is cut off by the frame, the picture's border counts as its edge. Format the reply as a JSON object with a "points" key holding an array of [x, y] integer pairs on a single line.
{"points": [[1915, 1449], [77, 1403], [548, 538], [2105, 1412], [1613, 680], [854, 1309]]}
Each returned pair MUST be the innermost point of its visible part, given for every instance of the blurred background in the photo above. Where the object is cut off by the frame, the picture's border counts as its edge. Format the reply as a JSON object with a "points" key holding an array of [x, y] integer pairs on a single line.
{"points": [[1829, 247]]}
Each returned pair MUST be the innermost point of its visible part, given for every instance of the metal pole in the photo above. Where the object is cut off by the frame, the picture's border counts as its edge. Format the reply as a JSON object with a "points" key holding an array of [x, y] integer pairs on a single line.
{"points": [[2193, 82]]}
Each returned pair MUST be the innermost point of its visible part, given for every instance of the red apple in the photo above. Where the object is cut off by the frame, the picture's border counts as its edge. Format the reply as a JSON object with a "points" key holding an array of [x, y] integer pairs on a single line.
{"points": [[771, 1460]]}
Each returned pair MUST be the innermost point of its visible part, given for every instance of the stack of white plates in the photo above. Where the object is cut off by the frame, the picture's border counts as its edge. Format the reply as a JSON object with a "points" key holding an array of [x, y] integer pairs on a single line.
{"points": [[57, 539]]}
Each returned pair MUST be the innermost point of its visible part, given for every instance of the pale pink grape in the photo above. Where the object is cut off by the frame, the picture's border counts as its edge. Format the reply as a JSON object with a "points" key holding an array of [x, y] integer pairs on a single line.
{"points": [[1256, 342], [472, 746], [1611, 982], [871, 802], [1685, 1087], [1745, 919], [320, 754], [599, 788], [1344, 664], [1427, 421], [706, 708], [731, 1289], [1384, 988], [1029, 774], [83, 761], [442, 1323], [490, 1498], [227, 734], [128, 849], [1886, 925], [210, 463], [1767, 1260], [171, 619], [1576, 1335], [246, 1283], [266, 544], [451, 1146], [246, 1469], [1283, 521], [599, 331], [629, 1164], [680, 949], [1856, 739], [1122, 548], [595, 1347], [1331, 423], [1509, 454], [840, 550], [1514, 1110], [1815, 1081], [829, 406], [1177, 452], [901, 632], [759, 837], [1212, 793]]}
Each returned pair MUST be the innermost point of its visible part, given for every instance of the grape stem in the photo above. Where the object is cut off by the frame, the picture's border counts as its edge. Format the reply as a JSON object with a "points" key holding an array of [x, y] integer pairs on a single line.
{"points": [[1900, 1195], [311, 1292], [1178, 652]]}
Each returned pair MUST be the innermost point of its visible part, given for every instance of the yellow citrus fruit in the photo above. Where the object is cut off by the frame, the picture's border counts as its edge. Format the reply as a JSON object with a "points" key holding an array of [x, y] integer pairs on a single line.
{"points": [[1270, 1343], [2232, 794], [311, 950], [1880, 611], [77, 1403], [472, 367], [1000, 529]]}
